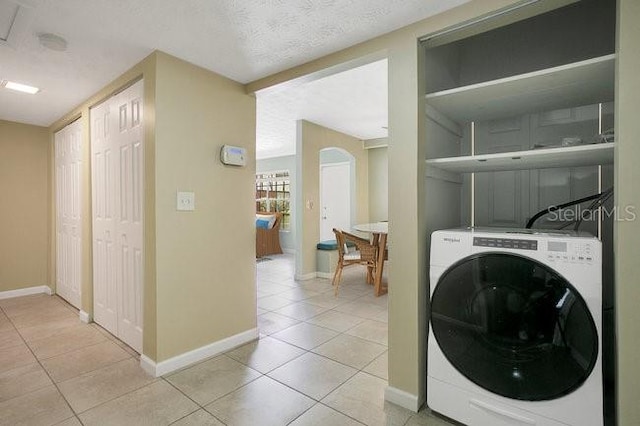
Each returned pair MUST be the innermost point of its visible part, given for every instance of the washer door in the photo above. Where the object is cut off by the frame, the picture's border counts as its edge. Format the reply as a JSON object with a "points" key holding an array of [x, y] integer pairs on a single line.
{"points": [[514, 326]]}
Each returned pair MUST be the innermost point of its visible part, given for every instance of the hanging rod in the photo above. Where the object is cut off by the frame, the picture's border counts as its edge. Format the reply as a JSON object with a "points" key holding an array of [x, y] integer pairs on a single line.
{"points": [[478, 20]]}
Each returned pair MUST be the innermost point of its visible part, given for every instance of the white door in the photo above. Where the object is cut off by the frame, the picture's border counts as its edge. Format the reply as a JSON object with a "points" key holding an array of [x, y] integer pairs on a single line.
{"points": [[68, 166], [117, 182], [335, 199]]}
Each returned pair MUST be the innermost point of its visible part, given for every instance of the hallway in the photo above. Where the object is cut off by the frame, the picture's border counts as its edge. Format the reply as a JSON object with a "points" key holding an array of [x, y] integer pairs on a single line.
{"points": [[319, 361]]}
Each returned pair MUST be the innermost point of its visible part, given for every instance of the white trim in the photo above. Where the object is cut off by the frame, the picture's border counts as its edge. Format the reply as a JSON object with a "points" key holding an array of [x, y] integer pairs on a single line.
{"points": [[183, 360], [375, 143], [85, 317], [402, 398], [305, 277], [327, 275], [26, 291], [148, 365]]}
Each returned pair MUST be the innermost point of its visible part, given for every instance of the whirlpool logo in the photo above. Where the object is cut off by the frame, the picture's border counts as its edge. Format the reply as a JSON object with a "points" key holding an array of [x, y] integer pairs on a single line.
{"points": [[451, 240]]}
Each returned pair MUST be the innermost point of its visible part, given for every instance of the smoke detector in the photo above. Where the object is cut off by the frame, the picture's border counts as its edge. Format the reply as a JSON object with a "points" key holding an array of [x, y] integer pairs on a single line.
{"points": [[52, 42]]}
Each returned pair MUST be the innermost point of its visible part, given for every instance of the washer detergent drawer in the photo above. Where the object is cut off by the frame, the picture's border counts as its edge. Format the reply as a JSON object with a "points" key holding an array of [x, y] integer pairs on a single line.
{"points": [[472, 410]]}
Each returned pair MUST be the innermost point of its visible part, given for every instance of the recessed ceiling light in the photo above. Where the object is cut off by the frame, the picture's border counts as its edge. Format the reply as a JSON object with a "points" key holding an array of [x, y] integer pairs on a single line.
{"points": [[52, 42], [20, 87]]}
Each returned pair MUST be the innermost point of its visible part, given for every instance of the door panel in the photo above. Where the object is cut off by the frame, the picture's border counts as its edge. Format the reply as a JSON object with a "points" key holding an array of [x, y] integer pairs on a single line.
{"points": [[130, 219], [104, 293], [335, 199], [68, 165], [118, 218]]}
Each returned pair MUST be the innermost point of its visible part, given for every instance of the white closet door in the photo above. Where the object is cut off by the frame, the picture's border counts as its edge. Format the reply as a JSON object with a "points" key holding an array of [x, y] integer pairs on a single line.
{"points": [[129, 224], [68, 165], [117, 168], [103, 200]]}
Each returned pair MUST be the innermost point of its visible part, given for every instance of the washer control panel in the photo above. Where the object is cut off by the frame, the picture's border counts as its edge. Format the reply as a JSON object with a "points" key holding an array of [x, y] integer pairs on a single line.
{"points": [[571, 252], [580, 252], [510, 243]]}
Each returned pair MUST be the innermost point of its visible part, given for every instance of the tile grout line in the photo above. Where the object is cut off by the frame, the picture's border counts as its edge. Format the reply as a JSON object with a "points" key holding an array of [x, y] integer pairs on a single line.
{"points": [[226, 394], [114, 398], [326, 328], [330, 408], [360, 370], [75, 414], [48, 375], [338, 335], [310, 351], [308, 396], [316, 401], [327, 357], [364, 319], [305, 351], [200, 407], [319, 401]]}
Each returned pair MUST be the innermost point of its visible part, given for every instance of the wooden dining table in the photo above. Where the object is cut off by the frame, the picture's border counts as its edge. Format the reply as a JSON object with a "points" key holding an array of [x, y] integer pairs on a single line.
{"points": [[378, 231]]}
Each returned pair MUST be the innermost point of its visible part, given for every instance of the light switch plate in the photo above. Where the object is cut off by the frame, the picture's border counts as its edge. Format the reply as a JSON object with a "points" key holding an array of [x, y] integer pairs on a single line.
{"points": [[186, 201]]}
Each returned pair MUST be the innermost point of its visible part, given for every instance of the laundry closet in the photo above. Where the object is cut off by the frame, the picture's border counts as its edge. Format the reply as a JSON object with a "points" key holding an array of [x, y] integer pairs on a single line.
{"points": [[520, 118]]}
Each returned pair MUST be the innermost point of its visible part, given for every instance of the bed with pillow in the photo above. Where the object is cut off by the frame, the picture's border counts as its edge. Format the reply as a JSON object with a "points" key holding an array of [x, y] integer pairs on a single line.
{"points": [[268, 233]]}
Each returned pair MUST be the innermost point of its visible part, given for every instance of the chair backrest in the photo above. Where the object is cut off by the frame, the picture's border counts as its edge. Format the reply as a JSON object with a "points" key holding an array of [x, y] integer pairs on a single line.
{"points": [[367, 251], [340, 241]]}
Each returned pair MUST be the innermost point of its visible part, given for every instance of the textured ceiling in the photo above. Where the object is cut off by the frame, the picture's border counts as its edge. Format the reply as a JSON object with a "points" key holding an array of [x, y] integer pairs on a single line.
{"points": [[353, 102], [241, 39]]}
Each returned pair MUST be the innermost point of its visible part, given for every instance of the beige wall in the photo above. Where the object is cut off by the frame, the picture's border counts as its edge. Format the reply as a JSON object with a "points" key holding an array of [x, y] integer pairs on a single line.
{"points": [[311, 139], [145, 69], [205, 258], [378, 184], [407, 197], [627, 234], [24, 225]]}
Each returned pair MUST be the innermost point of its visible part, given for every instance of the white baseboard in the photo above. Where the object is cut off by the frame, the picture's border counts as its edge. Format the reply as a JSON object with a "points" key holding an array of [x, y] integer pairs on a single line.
{"points": [[402, 398], [183, 360], [26, 292], [328, 275], [85, 317], [305, 277], [148, 365]]}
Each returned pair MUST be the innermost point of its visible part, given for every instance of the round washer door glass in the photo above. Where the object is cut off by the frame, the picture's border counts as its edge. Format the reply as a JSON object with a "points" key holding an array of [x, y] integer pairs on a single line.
{"points": [[514, 327]]}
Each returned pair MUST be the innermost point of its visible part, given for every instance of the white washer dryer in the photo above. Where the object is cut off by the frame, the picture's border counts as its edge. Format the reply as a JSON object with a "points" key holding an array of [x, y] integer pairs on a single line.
{"points": [[515, 327]]}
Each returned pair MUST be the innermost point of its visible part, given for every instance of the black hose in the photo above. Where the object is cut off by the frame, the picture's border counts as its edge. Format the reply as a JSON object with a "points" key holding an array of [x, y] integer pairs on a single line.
{"points": [[596, 204], [552, 209]]}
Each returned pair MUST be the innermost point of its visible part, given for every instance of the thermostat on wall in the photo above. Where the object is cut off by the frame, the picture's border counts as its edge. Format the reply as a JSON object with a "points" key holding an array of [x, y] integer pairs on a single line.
{"points": [[233, 155]]}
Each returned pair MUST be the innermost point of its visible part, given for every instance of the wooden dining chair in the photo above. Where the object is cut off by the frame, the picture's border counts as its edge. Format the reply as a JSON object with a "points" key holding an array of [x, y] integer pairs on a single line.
{"points": [[364, 254]]}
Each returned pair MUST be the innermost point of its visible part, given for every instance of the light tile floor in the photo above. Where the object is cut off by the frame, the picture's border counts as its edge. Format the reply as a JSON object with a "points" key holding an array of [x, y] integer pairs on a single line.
{"points": [[320, 360]]}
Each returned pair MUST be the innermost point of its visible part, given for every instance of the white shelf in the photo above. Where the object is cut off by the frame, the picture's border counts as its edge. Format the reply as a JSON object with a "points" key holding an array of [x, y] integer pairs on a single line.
{"points": [[573, 156], [580, 83]]}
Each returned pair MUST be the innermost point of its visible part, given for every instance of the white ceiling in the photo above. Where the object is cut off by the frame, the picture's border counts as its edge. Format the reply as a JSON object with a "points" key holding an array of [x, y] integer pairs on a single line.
{"points": [[241, 39], [352, 102]]}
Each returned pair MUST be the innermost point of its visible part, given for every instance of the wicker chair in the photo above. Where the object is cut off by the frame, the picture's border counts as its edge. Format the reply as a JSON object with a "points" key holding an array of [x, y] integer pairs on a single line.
{"points": [[365, 255], [268, 240]]}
